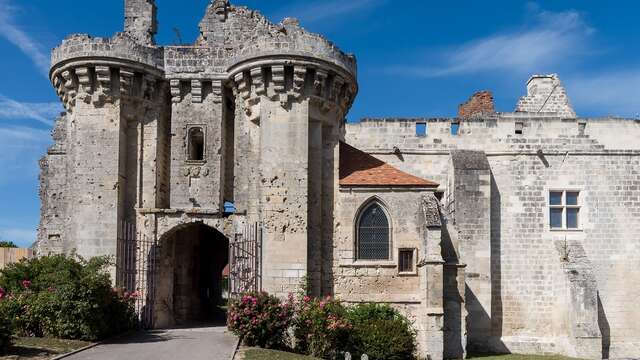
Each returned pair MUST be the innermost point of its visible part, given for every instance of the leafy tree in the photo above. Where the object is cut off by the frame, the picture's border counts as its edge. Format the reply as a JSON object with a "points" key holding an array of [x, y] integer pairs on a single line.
{"points": [[7, 244]]}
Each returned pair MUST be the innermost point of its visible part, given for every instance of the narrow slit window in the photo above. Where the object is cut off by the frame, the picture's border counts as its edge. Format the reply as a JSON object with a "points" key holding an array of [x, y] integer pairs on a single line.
{"points": [[196, 144], [405, 261], [564, 210], [421, 129]]}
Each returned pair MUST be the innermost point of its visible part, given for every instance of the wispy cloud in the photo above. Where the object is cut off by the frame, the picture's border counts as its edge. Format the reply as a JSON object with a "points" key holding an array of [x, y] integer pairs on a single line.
{"points": [[21, 237], [606, 93], [316, 10], [44, 113], [18, 37], [551, 38], [21, 148]]}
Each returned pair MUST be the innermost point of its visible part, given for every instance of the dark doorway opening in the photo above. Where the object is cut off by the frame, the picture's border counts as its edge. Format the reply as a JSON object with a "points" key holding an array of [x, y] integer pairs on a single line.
{"points": [[191, 286]]}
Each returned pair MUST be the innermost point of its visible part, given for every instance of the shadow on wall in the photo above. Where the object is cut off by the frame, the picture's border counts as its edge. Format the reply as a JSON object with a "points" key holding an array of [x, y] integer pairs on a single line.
{"points": [[453, 277], [495, 343], [603, 323]]}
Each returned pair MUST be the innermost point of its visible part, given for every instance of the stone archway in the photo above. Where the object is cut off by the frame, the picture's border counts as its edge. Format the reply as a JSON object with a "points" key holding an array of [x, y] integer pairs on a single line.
{"points": [[189, 285]]}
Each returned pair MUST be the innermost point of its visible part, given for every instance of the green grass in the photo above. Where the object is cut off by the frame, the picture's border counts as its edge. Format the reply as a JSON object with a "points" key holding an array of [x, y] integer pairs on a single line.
{"points": [[27, 348], [520, 357], [262, 354]]}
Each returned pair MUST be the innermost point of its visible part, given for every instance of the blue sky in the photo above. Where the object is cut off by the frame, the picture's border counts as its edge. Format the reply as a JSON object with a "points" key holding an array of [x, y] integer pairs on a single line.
{"points": [[416, 58]]}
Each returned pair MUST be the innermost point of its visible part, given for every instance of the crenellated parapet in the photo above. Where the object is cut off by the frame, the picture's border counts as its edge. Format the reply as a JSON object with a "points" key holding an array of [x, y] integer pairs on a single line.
{"points": [[237, 45], [99, 70]]}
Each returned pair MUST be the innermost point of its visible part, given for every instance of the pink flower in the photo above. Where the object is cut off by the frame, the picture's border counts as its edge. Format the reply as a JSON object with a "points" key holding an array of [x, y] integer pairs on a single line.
{"points": [[26, 284], [134, 295], [322, 305], [51, 289], [2, 293], [306, 298]]}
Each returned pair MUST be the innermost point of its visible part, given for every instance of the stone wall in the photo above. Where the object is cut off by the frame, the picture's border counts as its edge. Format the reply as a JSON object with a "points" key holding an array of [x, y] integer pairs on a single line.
{"points": [[468, 208], [599, 157], [414, 294]]}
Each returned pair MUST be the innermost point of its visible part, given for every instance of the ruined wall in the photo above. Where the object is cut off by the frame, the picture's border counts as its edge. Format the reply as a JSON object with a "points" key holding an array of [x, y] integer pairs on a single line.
{"points": [[480, 103], [54, 203], [545, 94], [140, 20], [599, 157]]}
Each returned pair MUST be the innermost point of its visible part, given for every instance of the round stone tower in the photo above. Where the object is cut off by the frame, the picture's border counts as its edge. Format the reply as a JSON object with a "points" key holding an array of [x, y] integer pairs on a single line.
{"points": [[114, 95]]}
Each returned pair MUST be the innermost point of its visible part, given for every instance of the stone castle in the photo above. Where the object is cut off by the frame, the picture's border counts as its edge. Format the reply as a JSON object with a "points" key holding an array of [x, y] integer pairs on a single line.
{"points": [[501, 232]]}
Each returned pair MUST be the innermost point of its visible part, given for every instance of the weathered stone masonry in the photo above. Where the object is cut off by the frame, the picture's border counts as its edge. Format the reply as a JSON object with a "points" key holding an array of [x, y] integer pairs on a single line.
{"points": [[253, 115]]}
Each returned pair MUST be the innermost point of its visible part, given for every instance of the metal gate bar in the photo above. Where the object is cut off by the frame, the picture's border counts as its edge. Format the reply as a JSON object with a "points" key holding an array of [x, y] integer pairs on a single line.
{"points": [[136, 269], [245, 256]]}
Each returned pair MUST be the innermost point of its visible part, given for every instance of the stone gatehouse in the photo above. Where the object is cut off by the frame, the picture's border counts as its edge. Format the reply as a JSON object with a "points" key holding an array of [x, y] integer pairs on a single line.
{"points": [[513, 231]]}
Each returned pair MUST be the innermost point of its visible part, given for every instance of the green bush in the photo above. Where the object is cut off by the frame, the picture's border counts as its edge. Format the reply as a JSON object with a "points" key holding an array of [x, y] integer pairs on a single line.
{"points": [[64, 297], [5, 330], [319, 327], [380, 332], [259, 320]]}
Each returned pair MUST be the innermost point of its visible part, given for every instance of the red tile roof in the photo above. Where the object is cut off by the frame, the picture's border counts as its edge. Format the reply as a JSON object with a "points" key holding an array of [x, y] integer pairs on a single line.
{"points": [[358, 168]]}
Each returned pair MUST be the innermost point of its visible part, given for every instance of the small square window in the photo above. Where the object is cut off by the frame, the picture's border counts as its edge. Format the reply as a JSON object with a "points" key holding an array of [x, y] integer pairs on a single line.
{"points": [[455, 128], [405, 261], [421, 129], [519, 128], [581, 128]]}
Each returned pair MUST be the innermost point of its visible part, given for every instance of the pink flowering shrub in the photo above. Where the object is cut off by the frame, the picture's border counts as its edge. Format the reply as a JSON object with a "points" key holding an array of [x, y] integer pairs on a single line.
{"points": [[260, 320], [319, 326]]}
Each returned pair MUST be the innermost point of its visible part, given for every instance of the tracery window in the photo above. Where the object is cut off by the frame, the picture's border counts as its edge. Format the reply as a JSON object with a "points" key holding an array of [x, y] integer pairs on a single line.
{"points": [[373, 233]]}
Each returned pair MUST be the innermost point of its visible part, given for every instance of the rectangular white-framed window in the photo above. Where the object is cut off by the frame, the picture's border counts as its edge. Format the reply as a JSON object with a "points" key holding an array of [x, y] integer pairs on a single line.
{"points": [[564, 209]]}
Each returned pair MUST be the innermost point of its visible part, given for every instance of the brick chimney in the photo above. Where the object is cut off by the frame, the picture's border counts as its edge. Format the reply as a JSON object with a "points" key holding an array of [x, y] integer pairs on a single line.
{"points": [[480, 103]]}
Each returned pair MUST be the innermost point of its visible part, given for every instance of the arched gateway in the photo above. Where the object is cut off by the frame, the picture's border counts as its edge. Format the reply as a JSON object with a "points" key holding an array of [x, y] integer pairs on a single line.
{"points": [[183, 272], [189, 276]]}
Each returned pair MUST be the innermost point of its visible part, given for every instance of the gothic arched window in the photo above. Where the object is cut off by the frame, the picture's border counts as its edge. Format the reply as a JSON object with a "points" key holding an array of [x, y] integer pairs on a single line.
{"points": [[373, 233], [196, 144]]}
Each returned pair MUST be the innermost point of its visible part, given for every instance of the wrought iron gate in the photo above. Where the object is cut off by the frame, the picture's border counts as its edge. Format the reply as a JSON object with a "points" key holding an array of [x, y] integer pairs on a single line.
{"points": [[136, 267], [245, 261]]}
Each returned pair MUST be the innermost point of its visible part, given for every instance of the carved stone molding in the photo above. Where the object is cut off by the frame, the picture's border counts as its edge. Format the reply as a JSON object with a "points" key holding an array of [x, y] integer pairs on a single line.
{"points": [[326, 89], [95, 84]]}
